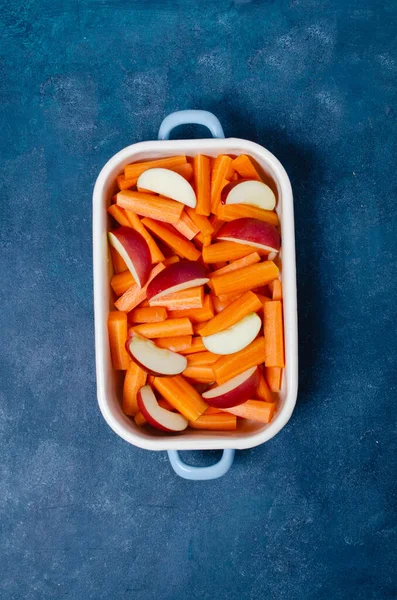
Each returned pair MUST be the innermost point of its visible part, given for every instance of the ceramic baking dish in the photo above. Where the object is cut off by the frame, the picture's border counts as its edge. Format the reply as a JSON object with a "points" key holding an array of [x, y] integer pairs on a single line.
{"points": [[109, 382]]}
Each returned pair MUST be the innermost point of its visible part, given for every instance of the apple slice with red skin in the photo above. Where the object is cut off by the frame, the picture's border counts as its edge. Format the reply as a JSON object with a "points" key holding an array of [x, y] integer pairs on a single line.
{"points": [[237, 390], [250, 192], [169, 184], [176, 277], [234, 338], [133, 248], [158, 361], [251, 232], [156, 416]]}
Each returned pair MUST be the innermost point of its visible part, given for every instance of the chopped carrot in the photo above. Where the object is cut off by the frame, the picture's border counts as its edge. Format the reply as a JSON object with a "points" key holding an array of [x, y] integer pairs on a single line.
{"points": [[245, 168], [135, 295], [276, 289], [233, 364], [134, 379], [218, 422], [273, 378], [201, 373], [245, 278], [204, 240], [176, 343], [181, 395], [229, 212], [229, 298], [219, 265], [139, 419], [183, 300], [135, 222], [171, 260], [149, 205], [202, 184], [235, 177], [196, 315], [212, 410], [274, 334], [201, 358], [250, 259], [219, 304], [118, 262], [202, 222], [119, 215], [153, 314], [185, 170], [216, 223], [256, 410], [172, 238], [263, 391], [117, 328], [220, 169], [121, 282], [186, 226], [196, 346], [125, 184], [233, 313], [168, 328], [225, 251], [134, 170]]}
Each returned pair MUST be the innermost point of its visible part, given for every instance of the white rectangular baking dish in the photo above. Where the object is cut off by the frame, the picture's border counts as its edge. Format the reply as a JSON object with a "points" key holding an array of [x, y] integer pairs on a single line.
{"points": [[109, 382]]}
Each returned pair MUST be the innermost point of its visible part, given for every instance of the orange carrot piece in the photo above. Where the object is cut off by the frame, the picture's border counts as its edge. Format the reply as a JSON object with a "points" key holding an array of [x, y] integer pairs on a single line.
{"points": [[186, 226], [153, 314], [229, 212], [256, 410], [235, 177], [121, 282], [229, 298], [201, 373], [168, 328], [215, 422], [219, 265], [196, 346], [181, 395], [173, 239], [135, 295], [196, 315], [273, 378], [117, 329], [245, 278], [233, 313], [202, 358], [203, 240], [149, 205], [125, 184], [185, 170], [250, 259], [234, 364], [276, 289], [119, 215], [211, 410], [220, 305], [134, 170], [176, 343], [134, 379], [135, 222], [139, 419], [171, 260], [202, 184], [221, 168], [118, 262], [225, 251], [183, 300], [216, 223], [245, 168], [274, 334], [202, 222], [263, 391]]}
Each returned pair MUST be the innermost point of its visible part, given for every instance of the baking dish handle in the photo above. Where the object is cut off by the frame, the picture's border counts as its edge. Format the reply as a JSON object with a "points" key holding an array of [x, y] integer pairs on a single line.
{"points": [[185, 117], [201, 473]]}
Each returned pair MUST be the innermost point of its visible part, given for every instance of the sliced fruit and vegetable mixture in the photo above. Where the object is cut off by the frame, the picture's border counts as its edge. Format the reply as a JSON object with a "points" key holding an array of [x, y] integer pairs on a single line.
{"points": [[198, 320]]}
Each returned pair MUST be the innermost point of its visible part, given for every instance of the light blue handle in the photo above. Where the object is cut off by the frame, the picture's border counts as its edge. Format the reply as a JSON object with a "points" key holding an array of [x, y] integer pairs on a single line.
{"points": [[201, 473], [185, 117]]}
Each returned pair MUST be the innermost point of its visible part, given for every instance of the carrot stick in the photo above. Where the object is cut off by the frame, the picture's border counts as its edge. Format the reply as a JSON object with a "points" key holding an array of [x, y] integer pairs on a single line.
{"points": [[217, 422], [181, 395], [201, 358], [211, 410], [135, 223], [201, 373], [119, 215], [125, 184], [233, 313], [176, 343], [263, 391], [183, 300], [121, 282], [173, 239], [118, 262], [220, 170], [245, 278], [186, 226], [274, 334], [171, 260], [196, 346], [203, 240], [276, 289], [216, 223], [219, 265], [168, 328], [229, 298], [154, 314], [251, 259], [117, 329], [220, 305], [149, 205], [225, 251], [134, 379], [233, 364], [246, 168], [229, 212], [185, 170], [139, 419], [135, 295], [200, 221], [273, 378], [256, 410], [196, 315], [202, 184], [134, 170]]}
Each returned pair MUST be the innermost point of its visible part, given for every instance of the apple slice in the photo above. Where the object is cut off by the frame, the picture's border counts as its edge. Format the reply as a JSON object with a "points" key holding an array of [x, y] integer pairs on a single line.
{"points": [[159, 361], [237, 390], [251, 232], [234, 338], [155, 415], [133, 248], [169, 184], [177, 277], [253, 193]]}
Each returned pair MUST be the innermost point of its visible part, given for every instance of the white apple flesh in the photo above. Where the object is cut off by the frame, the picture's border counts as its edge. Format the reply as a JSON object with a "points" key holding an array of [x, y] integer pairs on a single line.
{"points": [[249, 192], [177, 277], [159, 361], [133, 248], [237, 390], [169, 184], [234, 338], [156, 416]]}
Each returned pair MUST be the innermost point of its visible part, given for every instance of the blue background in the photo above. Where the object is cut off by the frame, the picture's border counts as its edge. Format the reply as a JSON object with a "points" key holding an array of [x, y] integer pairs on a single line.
{"points": [[311, 514]]}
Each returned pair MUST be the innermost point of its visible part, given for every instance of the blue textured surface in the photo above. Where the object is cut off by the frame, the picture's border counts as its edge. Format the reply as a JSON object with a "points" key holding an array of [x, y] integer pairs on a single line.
{"points": [[311, 514]]}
